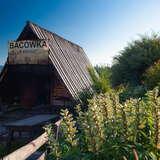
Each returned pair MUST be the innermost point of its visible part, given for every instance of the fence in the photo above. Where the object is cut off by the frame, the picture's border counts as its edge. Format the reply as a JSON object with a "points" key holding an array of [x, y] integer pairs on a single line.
{"points": [[31, 148]]}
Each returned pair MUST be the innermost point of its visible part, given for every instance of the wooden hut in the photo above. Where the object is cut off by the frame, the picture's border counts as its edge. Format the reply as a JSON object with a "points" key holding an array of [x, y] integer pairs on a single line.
{"points": [[43, 68]]}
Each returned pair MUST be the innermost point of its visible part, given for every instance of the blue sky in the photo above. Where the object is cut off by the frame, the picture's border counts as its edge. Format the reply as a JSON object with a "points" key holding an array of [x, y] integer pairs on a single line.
{"points": [[101, 27]]}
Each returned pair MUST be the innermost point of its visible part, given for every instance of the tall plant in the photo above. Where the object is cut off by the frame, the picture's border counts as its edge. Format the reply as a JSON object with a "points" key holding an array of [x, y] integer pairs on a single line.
{"points": [[111, 130]]}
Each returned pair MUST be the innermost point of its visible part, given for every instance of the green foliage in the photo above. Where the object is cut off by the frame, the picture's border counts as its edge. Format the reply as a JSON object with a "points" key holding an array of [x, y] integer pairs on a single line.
{"points": [[132, 62], [16, 144], [84, 96], [101, 78], [110, 130], [132, 92], [68, 142], [152, 76], [2, 151]]}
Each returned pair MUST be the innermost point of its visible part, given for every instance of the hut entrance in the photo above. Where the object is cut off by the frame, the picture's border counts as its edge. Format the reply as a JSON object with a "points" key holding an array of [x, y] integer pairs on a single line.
{"points": [[34, 91]]}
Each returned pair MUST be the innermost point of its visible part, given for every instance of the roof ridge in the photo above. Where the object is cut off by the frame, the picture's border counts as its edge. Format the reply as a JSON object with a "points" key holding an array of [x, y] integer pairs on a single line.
{"points": [[32, 23]]}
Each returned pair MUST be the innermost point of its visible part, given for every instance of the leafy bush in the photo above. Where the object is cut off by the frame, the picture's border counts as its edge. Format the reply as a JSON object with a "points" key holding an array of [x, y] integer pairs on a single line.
{"points": [[84, 96], [110, 130], [132, 92], [101, 78], [152, 75], [133, 60], [2, 150]]}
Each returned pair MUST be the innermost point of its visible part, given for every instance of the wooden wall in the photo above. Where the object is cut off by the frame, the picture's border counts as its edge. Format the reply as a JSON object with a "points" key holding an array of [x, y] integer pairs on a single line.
{"points": [[59, 96], [34, 85], [28, 84]]}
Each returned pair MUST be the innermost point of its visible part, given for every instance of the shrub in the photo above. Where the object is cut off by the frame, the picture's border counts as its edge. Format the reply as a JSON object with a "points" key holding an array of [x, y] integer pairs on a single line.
{"points": [[84, 96], [152, 75], [132, 92]]}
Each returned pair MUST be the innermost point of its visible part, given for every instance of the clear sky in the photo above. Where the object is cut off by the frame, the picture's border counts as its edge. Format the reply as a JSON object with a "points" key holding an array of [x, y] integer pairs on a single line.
{"points": [[101, 27]]}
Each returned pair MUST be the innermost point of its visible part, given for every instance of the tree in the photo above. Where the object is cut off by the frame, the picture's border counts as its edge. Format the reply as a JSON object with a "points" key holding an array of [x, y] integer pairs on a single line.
{"points": [[152, 76], [101, 78], [132, 62]]}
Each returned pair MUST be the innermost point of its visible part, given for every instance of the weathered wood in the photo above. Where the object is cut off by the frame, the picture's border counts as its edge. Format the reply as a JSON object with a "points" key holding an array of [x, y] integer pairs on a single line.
{"points": [[31, 124], [28, 52], [38, 155], [32, 121], [63, 56], [42, 156], [30, 85], [27, 150], [59, 92], [62, 68], [69, 60]]}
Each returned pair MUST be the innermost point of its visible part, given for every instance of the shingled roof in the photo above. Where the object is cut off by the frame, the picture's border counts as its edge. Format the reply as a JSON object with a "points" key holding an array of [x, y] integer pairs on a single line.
{"points": [[68, 58]]}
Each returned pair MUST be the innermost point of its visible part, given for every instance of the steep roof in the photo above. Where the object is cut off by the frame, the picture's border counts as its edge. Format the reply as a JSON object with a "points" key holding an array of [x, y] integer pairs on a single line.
{"points": [[68, 58]]}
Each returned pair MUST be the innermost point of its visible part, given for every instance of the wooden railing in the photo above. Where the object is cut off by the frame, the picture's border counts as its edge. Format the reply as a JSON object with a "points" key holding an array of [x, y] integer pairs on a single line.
{"points": [[30, 148], [27, 150]]}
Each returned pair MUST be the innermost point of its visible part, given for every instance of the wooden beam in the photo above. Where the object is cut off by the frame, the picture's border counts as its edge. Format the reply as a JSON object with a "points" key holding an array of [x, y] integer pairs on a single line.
{"points": [[27, 150]]}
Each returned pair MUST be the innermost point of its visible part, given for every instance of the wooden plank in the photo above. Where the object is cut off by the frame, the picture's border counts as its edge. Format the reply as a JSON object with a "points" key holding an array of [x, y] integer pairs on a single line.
{"points": [[65, 67], [27, 150], [38, 155], [80, 67], [31, 121], [66, 78], [69, 58], [42, 156], [31, 148]]}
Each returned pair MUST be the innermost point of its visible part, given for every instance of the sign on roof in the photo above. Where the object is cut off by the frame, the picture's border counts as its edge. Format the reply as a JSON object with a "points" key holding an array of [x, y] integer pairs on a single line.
{"points": [[28, 52]]}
